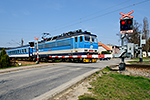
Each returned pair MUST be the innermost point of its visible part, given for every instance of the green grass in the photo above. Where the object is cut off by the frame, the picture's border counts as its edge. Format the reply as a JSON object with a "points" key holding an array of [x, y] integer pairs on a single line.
{"points": [[17, 66], [107, 69], [132, 62], [146, 58], [137, 62], [116, 86], [146, 61]]}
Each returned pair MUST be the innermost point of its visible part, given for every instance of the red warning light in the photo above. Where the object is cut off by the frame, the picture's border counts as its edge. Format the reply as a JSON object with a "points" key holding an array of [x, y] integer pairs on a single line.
{"points": [[123, 22], [129, 22]]}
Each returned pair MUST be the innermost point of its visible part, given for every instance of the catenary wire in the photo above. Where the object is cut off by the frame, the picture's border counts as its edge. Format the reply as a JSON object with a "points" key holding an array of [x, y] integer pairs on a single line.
{"points": [[100, 15]]}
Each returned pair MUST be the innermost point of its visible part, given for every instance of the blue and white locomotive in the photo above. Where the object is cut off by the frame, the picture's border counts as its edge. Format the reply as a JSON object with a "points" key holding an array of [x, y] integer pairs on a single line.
{"points": [[66, 44]]}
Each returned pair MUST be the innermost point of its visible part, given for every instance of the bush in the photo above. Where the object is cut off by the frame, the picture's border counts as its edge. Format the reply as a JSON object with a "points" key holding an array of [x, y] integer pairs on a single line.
{"points": [[105, 52], [0, 63], [4, 59]]}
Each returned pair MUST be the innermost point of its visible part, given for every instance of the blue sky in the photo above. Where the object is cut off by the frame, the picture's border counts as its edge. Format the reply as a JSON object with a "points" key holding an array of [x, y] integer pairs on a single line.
{"points": [[30, 18]]}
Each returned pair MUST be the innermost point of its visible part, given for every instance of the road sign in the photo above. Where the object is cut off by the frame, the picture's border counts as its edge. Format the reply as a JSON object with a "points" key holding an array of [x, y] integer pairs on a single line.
{"points": [[143, 41], [36, 38], [126, 22], [128, 31], [126, 15]]}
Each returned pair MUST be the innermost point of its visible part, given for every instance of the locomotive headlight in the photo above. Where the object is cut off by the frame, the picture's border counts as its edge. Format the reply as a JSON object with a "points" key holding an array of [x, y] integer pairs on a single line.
{"points": [[85, 50]]}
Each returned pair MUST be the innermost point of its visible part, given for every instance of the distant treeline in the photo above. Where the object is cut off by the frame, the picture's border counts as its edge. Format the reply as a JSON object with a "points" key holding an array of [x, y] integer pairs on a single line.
{"points": [[1, 48]]}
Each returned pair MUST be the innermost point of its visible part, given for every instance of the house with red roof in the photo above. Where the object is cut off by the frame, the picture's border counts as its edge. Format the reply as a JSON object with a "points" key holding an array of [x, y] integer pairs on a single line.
{"points": [[102, 47]]}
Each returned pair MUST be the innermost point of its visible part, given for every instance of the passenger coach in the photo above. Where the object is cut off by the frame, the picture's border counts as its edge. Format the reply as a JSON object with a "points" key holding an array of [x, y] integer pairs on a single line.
{"points": [[23, 52]]}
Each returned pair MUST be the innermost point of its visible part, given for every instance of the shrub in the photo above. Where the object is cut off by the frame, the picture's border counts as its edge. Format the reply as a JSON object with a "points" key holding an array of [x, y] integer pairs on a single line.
{"points": [[3, 52], [0, 63], [4, 59]]}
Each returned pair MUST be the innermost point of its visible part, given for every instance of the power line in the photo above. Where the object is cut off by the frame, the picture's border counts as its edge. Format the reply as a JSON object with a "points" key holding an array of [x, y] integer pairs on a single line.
{"points": [[100, 15], [94, 13]]}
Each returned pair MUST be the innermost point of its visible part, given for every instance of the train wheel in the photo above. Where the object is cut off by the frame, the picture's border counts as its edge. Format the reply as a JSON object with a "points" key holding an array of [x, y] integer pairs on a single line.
{"points": [[34, 59], [45, 59], [50, 61], [67, 60]]}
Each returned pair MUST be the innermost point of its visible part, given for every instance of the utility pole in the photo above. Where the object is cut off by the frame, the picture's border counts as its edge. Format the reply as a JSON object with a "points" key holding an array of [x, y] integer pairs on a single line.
{"points": [[21, 41], [37, 50], [141, 60]]}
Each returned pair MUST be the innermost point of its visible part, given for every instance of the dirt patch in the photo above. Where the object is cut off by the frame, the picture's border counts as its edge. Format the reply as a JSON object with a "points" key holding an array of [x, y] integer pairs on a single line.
{"points": [[74, 92], [18, 62], [25, 62]]}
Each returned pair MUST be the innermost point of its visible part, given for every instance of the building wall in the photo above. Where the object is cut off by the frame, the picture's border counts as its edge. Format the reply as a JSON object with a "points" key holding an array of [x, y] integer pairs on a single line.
{"points": [[109, 46], [115, 50], [100, 49]]}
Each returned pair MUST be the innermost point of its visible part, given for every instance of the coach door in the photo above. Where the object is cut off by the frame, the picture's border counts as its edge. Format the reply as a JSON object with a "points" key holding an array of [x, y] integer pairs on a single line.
{"points": [[76, 43]]}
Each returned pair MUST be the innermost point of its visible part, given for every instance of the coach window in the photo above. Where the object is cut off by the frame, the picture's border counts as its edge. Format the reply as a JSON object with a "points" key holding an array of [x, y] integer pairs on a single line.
{"points": [[76, 39], [25, 51], [81, 39], [22, 50]]}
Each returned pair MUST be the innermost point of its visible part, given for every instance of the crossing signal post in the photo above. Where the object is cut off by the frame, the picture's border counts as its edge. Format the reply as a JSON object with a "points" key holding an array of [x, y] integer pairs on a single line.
{"points": [[126, 26]]}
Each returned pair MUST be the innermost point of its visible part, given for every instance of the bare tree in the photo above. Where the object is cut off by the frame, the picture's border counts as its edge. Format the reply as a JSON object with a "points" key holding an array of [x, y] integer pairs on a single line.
{"points": [[149, 44], [146, 34], [134, 37]]}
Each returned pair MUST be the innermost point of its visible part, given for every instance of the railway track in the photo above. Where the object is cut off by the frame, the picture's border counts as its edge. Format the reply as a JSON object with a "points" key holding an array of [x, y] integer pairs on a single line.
{"points": [[138, 67]]}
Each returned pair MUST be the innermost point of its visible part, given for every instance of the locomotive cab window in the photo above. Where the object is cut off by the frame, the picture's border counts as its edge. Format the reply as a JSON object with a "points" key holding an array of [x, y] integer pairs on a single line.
{"points": [[76, 39], [81, 39], [87, 38], [94, 39]]}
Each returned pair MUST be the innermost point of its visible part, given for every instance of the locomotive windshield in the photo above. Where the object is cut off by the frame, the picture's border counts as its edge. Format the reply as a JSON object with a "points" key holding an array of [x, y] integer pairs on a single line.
{"points": [[90, 39], [87, 38], [94, 39]]}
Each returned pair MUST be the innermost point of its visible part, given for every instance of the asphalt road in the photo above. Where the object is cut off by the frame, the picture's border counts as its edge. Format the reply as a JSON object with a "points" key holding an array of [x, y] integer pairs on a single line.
{"points": [[31, 83]]}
